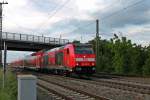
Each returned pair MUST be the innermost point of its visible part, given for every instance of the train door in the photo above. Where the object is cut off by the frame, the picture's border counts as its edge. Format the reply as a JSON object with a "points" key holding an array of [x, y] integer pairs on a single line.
{"points": [[38, 59], [45, 60], [67, 56]]}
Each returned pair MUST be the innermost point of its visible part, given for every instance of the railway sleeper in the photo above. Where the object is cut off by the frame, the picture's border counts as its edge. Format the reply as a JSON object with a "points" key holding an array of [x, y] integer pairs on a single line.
{"points": [[69, 93], [126, 87], [53, 96], [91, 97]]}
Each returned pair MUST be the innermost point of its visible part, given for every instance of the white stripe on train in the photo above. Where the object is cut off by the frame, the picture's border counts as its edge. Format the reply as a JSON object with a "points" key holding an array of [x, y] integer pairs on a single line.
{"points": [[85, 59]]}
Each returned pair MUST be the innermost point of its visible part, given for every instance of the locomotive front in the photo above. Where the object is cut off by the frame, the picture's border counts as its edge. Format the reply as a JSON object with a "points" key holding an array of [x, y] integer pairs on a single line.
{"points": [[84, 59]]}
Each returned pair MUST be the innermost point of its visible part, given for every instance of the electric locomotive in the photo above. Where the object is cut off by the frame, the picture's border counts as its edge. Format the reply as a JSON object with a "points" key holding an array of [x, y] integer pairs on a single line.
{"points": [[81, 58]]}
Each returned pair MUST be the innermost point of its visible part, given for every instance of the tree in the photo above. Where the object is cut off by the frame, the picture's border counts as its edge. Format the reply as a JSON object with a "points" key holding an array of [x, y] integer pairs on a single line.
{"points": [[146, 67], [119, 55], [76, 41]]}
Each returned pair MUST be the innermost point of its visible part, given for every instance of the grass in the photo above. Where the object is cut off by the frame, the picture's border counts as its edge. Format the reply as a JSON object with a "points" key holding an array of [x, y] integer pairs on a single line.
{"points": [[9, 92]]}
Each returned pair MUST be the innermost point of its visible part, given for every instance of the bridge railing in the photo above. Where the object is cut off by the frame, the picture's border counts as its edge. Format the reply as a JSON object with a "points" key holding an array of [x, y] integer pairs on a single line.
{"points": [[33, 38]]}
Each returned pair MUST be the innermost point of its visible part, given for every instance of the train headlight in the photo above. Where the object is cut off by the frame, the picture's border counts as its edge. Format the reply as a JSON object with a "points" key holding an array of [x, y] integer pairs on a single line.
{"points": [[93, 64], [77, 64], [71, 70], [93, 68]]}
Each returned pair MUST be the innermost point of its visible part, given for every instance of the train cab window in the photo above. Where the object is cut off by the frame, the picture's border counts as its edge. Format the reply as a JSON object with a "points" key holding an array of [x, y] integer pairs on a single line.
{"points": [[83, 50], [67, 50]]}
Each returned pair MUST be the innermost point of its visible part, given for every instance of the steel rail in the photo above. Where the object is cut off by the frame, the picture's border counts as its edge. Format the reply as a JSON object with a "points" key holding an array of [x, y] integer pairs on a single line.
{"points": [[76, 90]]}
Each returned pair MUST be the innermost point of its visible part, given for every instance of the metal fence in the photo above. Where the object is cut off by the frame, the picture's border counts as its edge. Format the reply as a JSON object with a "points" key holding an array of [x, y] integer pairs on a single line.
{"points": [[33, 38]]}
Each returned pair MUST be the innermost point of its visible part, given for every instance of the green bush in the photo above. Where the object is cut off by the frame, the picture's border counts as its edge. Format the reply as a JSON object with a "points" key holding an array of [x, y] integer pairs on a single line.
{"points": [[9, 92]]}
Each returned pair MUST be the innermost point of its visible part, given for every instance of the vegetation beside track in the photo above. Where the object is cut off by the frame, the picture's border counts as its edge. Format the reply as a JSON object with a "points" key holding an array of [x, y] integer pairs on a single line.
{"points": [[9, 92], [120, 56]]}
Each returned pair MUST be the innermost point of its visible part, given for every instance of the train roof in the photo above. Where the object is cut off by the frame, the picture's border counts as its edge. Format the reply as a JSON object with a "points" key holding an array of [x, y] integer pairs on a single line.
{"points": [[59, 48], [82, 44], [39, 52], [55, 49]]}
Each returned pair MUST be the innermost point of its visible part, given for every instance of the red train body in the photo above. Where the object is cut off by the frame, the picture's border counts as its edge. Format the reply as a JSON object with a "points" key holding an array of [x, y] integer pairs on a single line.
{"points": [[71, 58]]}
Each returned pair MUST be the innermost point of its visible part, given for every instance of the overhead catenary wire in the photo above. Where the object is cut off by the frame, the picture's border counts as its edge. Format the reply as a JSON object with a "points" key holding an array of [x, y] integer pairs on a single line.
{"points": [[93, 21], [116, 1], [54, 13], [124, 8], [108, 16], [85, 26]]}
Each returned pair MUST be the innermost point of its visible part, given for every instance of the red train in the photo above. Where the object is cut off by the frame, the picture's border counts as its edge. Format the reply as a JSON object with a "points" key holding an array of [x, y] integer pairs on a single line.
{"points": [[71, 58]]}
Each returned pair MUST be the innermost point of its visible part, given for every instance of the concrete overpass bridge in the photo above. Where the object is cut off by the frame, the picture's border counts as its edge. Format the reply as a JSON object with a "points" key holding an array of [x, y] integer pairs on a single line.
{"points": [[25, 42]]}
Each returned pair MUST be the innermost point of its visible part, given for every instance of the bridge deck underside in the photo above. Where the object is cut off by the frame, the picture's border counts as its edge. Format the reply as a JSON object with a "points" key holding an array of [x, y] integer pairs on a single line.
{"points": [[28, 46], [26, 42]]}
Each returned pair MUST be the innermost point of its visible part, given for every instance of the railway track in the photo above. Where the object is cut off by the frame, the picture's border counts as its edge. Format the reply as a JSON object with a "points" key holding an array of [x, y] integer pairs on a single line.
{"points": [[65, 92], [134, 79], [124, 85], [84, 85], [118, 84], [52, 94]]}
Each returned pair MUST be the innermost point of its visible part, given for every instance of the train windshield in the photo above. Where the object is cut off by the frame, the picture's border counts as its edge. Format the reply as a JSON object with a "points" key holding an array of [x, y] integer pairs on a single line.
{"points": [[83, 50]]}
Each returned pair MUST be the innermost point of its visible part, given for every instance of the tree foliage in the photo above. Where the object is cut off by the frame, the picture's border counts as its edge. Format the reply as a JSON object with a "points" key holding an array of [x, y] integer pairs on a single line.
{"points": [[119, 55]]}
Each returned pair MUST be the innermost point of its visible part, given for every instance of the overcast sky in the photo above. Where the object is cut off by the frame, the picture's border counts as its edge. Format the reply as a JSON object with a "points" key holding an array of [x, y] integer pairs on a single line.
{"points": [[73, 19]]}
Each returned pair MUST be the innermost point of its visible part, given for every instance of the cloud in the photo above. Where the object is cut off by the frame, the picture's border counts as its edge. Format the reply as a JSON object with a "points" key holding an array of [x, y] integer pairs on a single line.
{"points": [[21, 16], [77, 18], [135, 15], [16, 55]]}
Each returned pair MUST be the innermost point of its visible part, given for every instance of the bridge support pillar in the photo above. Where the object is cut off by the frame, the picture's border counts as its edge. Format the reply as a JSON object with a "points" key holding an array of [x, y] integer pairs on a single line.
{"points": [[0, 34], [1, 65]]}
